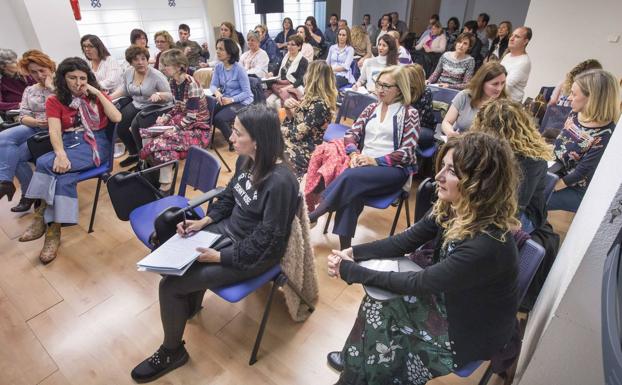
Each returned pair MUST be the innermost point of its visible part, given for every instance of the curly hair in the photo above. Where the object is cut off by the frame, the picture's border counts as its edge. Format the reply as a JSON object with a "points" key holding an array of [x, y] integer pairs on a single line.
{"points": [[37, 57], [586, 65], [488, 183], [68, 65], [507, 119], [320, 83]]}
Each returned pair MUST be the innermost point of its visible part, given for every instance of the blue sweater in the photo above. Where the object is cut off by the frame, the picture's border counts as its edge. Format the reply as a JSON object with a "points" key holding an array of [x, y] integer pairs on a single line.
{"points": [[232, 83], [268, 45]]}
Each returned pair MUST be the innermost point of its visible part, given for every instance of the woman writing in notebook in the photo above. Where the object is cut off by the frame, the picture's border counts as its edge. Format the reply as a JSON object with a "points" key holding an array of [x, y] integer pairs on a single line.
{"points": [[460, 308], [254, 212]]}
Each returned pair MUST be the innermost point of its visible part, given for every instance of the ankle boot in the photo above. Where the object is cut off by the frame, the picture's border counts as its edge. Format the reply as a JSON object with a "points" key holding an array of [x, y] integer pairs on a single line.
{"points": [[36, 229], [51, 244], [23, 205], [7, 188]]}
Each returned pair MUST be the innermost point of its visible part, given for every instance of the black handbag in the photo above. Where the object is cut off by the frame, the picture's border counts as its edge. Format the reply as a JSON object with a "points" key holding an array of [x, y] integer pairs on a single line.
{"points": [[39, 144]]}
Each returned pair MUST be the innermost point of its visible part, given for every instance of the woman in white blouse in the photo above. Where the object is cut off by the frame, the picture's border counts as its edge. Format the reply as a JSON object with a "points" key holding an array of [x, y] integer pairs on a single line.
{"points": [[255, 61], [307, 49], [387, 56], [107, 70]]}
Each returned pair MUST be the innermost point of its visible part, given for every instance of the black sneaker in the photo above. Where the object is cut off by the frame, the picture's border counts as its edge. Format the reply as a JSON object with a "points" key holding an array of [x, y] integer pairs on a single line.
{"points": [[130, 160], [335, 361], [160, 363]]}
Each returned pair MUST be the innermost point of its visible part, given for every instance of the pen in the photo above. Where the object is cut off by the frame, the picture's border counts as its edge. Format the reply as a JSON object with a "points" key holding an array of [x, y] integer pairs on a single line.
{"points": [[184, 225]]}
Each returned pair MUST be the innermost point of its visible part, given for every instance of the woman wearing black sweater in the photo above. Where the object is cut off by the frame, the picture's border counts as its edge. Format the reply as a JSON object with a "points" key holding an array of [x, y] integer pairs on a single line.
{"points": [[463, 306], [509, 121], [255, 212]]}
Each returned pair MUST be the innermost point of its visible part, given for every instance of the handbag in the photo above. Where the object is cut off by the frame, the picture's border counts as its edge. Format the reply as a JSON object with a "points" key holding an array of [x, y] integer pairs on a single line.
{"points": [[39, 144]]}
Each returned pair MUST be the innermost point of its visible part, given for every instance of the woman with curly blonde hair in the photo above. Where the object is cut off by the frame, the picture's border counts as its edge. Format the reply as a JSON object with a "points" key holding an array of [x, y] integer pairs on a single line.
{"points": [[562, 91], [508, 120], [306, 120], [462, 307], [361, 44]]}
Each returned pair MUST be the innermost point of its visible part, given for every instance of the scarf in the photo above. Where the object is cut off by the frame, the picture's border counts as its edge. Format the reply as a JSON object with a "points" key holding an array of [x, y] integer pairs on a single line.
{"points": [[90, 122], [292, 68]]}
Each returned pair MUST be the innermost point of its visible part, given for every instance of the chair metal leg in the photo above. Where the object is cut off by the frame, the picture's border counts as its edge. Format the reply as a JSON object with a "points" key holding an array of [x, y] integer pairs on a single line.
{"points": [[397, 216], [222, 159], [330, 216], [99, 183], [407, 208], [486, 376], [262, 326]]}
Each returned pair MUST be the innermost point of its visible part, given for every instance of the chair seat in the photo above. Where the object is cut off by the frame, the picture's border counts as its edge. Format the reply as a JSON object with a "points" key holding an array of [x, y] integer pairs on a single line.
{"points": [[427, 152], [382, 202], [468, 369], [335, 131], [142, 218], [238, 291], [93, 172]]}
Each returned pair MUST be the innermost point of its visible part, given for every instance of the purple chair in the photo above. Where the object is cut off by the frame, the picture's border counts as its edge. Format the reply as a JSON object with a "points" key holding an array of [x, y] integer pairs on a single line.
{"points": [[352, 106]]}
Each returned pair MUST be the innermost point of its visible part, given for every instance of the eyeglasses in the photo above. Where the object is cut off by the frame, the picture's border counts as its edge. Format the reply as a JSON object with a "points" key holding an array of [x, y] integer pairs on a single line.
{"points": [[160, 41], [385, 86], [85, 46]]}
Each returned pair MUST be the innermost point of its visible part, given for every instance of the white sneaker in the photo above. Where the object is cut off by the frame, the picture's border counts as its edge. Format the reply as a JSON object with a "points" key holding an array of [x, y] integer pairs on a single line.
{"points": [[119, 150]]}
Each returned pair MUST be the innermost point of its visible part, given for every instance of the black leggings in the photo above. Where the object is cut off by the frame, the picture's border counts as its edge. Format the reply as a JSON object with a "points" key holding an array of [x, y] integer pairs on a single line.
{"points": [[142, 122], [224, 117], [128, 113], [182, 296]]}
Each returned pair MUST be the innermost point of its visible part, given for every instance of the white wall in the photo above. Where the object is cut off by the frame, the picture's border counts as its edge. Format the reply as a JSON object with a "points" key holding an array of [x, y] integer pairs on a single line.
{"points": [[376, 8], [451, 8], [498, 10], [11, 35], [562, 343], [578, 31]]}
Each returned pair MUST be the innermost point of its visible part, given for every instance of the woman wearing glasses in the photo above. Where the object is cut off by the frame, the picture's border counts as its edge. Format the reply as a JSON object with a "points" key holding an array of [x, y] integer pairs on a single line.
{"points": [[381, 146], [106, 69], [163, 41]]}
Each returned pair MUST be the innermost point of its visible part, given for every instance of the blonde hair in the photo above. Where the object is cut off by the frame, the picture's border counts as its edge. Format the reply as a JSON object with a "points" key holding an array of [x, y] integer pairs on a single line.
{"points": [[486, 73], [416, 75], [359, 38], [488, 183], [401, 78], [586, 65], [603, 93], [507, 119], [167, 36], [320, 84]]}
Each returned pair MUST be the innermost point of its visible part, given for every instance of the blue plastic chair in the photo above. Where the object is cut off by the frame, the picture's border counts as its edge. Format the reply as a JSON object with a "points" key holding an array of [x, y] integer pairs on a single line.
{"points": [[352, 106], [211, 106], [554, 117], [440, 94], [200, 171], [530, 258], [102, 173], [549, 185]]}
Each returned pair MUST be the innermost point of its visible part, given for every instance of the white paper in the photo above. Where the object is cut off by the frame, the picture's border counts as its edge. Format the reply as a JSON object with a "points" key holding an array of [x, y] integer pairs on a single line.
{"points": [[381, 264], [550, 163], [178, 252], [270, 79], [398, 264], [159, 129]]}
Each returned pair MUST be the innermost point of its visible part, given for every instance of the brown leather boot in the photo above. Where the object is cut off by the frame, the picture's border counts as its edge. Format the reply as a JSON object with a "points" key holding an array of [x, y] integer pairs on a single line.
{"points": [[51, 244], [36, 229]]}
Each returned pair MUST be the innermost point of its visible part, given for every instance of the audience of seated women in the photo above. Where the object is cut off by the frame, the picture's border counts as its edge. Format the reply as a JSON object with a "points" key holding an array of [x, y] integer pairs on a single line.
{"points": [[187, 120], [422, 101], [291, 74], [14, 153], [306, 120], [106, 69], [595, 101], [287, 31], [145, 86], [487, 84], [254, 215], [561, 93], [403, 56], [387, 56], [340, 56], [267, 44], [361, 44], [255, 61], [12, 83], [381, 145], [307, 48], [460, 308], [316, 37], [455, 68], [163, 41], [508, 120], [500, 43], [230, 86], [78, 114]]}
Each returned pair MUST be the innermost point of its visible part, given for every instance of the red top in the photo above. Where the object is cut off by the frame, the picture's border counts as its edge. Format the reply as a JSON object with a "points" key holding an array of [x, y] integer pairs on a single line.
{"points": [[55, 109]]}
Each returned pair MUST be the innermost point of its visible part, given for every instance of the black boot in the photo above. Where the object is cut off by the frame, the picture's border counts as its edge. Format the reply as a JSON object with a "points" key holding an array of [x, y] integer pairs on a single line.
{"points": [[160, 363], [23, 205], [130, 160], [7, 188], [335, 361]]}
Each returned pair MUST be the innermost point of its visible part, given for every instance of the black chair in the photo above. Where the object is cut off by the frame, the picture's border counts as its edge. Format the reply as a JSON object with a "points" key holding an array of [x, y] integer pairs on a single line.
{"points": [[554, 117], [425, 198], [211, 106]]}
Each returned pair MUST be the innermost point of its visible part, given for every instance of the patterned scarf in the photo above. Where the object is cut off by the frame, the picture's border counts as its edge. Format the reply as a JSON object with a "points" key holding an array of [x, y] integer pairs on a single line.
{"points": [[90, 122]]}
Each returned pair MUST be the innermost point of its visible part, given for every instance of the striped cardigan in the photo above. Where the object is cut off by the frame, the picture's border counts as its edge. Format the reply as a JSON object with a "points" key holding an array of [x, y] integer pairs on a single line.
{"points": [[406, 128]]}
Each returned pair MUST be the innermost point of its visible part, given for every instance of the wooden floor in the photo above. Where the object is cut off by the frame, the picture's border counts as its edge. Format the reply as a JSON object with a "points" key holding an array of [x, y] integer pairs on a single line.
{"points": [[89, 317]]}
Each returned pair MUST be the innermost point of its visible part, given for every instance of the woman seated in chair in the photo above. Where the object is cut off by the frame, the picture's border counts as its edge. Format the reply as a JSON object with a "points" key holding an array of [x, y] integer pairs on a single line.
{"points": [[403, 56], [595, 102], [255, 61], [381, 146], [14, 153], [78, 114], [106, 69], [509, 121], [340, 56], [187, 120], [422, 102], [455, 68], [462, 307], [12, 82], [291, 74], [387, 56], [255, 212], [306, 121], [487, 84], [145, 87], [163, 41], [230, 86], [361, 44], [429, 49], [306, 48]]}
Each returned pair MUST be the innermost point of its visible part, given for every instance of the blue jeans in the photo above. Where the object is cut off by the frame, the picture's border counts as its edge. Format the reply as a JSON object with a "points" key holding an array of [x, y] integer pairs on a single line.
{"points": [[14, 154], [567, 199]]}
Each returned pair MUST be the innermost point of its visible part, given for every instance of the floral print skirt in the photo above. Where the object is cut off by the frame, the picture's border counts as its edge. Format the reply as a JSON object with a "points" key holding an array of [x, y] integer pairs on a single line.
{"points": [[403, 340]]}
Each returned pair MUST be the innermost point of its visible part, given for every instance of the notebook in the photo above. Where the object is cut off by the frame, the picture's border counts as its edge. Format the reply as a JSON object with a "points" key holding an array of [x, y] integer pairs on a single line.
{"points": [[159, 129], [393, 264]]}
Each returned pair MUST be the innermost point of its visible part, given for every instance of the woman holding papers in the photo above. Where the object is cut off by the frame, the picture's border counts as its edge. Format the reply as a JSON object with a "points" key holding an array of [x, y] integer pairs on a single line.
{"points": [[460, 308], [254, 212]]}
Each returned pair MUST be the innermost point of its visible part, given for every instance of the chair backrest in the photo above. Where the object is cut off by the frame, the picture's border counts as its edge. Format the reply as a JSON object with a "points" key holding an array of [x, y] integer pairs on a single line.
{"points": [[111, 134], [530, 257], [546, 93], [200, 171], [550, 180], [555, 117], [426, 195], [445, 95], [353, 104]]}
